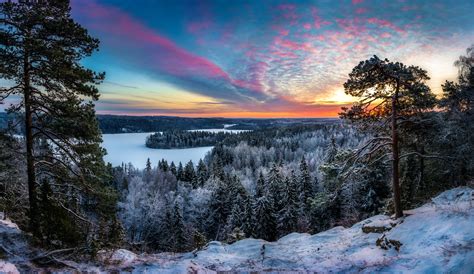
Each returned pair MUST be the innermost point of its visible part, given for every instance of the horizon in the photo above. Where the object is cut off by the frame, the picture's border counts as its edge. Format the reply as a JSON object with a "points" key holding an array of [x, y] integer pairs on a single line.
{"points": [[279, 59]]}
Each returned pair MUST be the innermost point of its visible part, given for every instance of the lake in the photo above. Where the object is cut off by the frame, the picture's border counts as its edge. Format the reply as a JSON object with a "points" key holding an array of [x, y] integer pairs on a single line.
{"points": [[130, 148]]}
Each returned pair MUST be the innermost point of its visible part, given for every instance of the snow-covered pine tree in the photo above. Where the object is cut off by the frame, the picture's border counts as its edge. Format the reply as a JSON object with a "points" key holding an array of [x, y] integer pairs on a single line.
{"points": [[147, 176], [260, 185], [237, 216], [248, 221], [180, 172], [189, 173], [173, 169], [202, 173], [265, 218], [276, 187], [305, 186], [180, 239], [288, 215]]}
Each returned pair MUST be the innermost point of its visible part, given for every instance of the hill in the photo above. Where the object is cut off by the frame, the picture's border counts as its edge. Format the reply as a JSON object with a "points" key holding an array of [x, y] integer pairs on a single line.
{"points": [[437, 237]]}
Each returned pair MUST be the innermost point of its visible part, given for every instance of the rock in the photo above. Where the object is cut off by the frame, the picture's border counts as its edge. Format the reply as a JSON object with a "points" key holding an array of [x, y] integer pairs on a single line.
{"points": [[385, 243], [380, 226], [121, 257], [6, 267]]}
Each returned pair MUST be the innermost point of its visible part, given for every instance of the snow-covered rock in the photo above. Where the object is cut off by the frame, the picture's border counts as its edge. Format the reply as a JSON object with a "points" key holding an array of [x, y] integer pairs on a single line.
{"points": [[437, 237], [9, 268], [121, 257]]}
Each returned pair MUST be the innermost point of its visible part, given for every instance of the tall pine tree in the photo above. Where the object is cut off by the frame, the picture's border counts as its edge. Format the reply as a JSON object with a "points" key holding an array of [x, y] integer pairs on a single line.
{"points": [[40, 54]]}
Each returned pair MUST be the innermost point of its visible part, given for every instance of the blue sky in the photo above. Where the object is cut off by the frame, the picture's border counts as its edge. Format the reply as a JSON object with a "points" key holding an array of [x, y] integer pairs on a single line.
{"points": [[261, 58]]}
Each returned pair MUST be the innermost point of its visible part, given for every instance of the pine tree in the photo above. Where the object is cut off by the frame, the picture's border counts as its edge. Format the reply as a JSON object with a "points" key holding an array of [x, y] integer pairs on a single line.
{"points": [[391, 94], [265, 218], [189, 173], [248, 224], [218, 168], [276, 187], [42, 48], [305, 186], [164, 165], [165, 239], [260, 186], [180, 172], [237, 216], [218, 210], [179, 230], [173, 169], [201, 173], [288, 215], [148, 171]]}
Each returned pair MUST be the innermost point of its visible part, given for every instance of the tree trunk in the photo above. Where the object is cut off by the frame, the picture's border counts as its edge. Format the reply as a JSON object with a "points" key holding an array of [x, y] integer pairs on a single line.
{"points": [[395, 157], [30, 162]]}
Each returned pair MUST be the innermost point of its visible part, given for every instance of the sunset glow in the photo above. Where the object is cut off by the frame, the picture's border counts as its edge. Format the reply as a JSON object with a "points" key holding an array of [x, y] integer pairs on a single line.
{"points": [[261, 58]]}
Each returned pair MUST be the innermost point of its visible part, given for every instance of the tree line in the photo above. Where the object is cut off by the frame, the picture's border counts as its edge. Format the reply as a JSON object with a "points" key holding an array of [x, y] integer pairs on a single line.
{"points": [[184, 139]]}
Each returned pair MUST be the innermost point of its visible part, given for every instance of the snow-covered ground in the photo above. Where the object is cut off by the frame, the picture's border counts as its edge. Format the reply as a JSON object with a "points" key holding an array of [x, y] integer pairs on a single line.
{"points": [[130, 148], [435, 238]]}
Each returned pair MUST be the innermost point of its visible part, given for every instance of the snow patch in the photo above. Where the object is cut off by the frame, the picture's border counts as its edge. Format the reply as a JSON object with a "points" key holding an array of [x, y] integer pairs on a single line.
{"points": [[121, 257], [6, 267]]}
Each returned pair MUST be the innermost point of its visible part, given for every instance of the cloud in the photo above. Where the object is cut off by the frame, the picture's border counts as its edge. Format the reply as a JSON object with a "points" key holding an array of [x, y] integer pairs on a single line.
{"points": [[148, 49], [284, 58]]}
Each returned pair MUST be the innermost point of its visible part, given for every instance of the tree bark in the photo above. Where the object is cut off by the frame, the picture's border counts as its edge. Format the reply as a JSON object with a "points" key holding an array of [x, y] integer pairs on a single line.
{"points": [[395, 157], [30, 162]]}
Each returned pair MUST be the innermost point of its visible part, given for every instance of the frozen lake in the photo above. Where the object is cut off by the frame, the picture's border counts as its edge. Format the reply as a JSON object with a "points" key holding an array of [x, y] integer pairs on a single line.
{"points": [[130, 148]]}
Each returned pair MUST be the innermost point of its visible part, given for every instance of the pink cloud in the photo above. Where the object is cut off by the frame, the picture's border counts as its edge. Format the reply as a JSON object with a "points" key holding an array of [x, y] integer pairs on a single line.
{"points": [[318, 21], [307, 26], [123, 29], [385, 23], [355, 2]]}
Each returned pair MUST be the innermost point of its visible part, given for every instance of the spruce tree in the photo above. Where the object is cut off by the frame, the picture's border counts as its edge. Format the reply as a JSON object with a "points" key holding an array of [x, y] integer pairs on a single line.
{"points": [[275, 187], [265, 218], [180, 239], [190, 173], [148, 171], [173, 168], [237, 216], [288, 215], [260, 185], [180, 172], [201, 173], [305, 186], [41, 50]]}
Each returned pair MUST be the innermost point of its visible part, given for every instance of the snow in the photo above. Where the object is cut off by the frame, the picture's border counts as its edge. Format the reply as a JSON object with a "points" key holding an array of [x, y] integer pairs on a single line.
{"points": [[120, 257], [7, 224], [436, 238], [9, 268], [130, 148]]}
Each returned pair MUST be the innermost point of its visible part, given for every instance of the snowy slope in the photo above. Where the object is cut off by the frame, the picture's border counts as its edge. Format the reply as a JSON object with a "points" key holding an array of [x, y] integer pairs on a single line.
{"points": [[435, 238], [438, 237]]}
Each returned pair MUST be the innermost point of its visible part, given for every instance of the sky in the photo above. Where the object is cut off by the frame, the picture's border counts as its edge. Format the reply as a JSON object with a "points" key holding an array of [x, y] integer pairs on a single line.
{"points": [[260, 58]]}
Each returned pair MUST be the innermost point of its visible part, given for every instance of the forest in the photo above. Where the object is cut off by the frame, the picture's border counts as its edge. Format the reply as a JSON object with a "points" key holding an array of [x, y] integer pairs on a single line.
{"points": [[184, 139], [395, 148]]}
